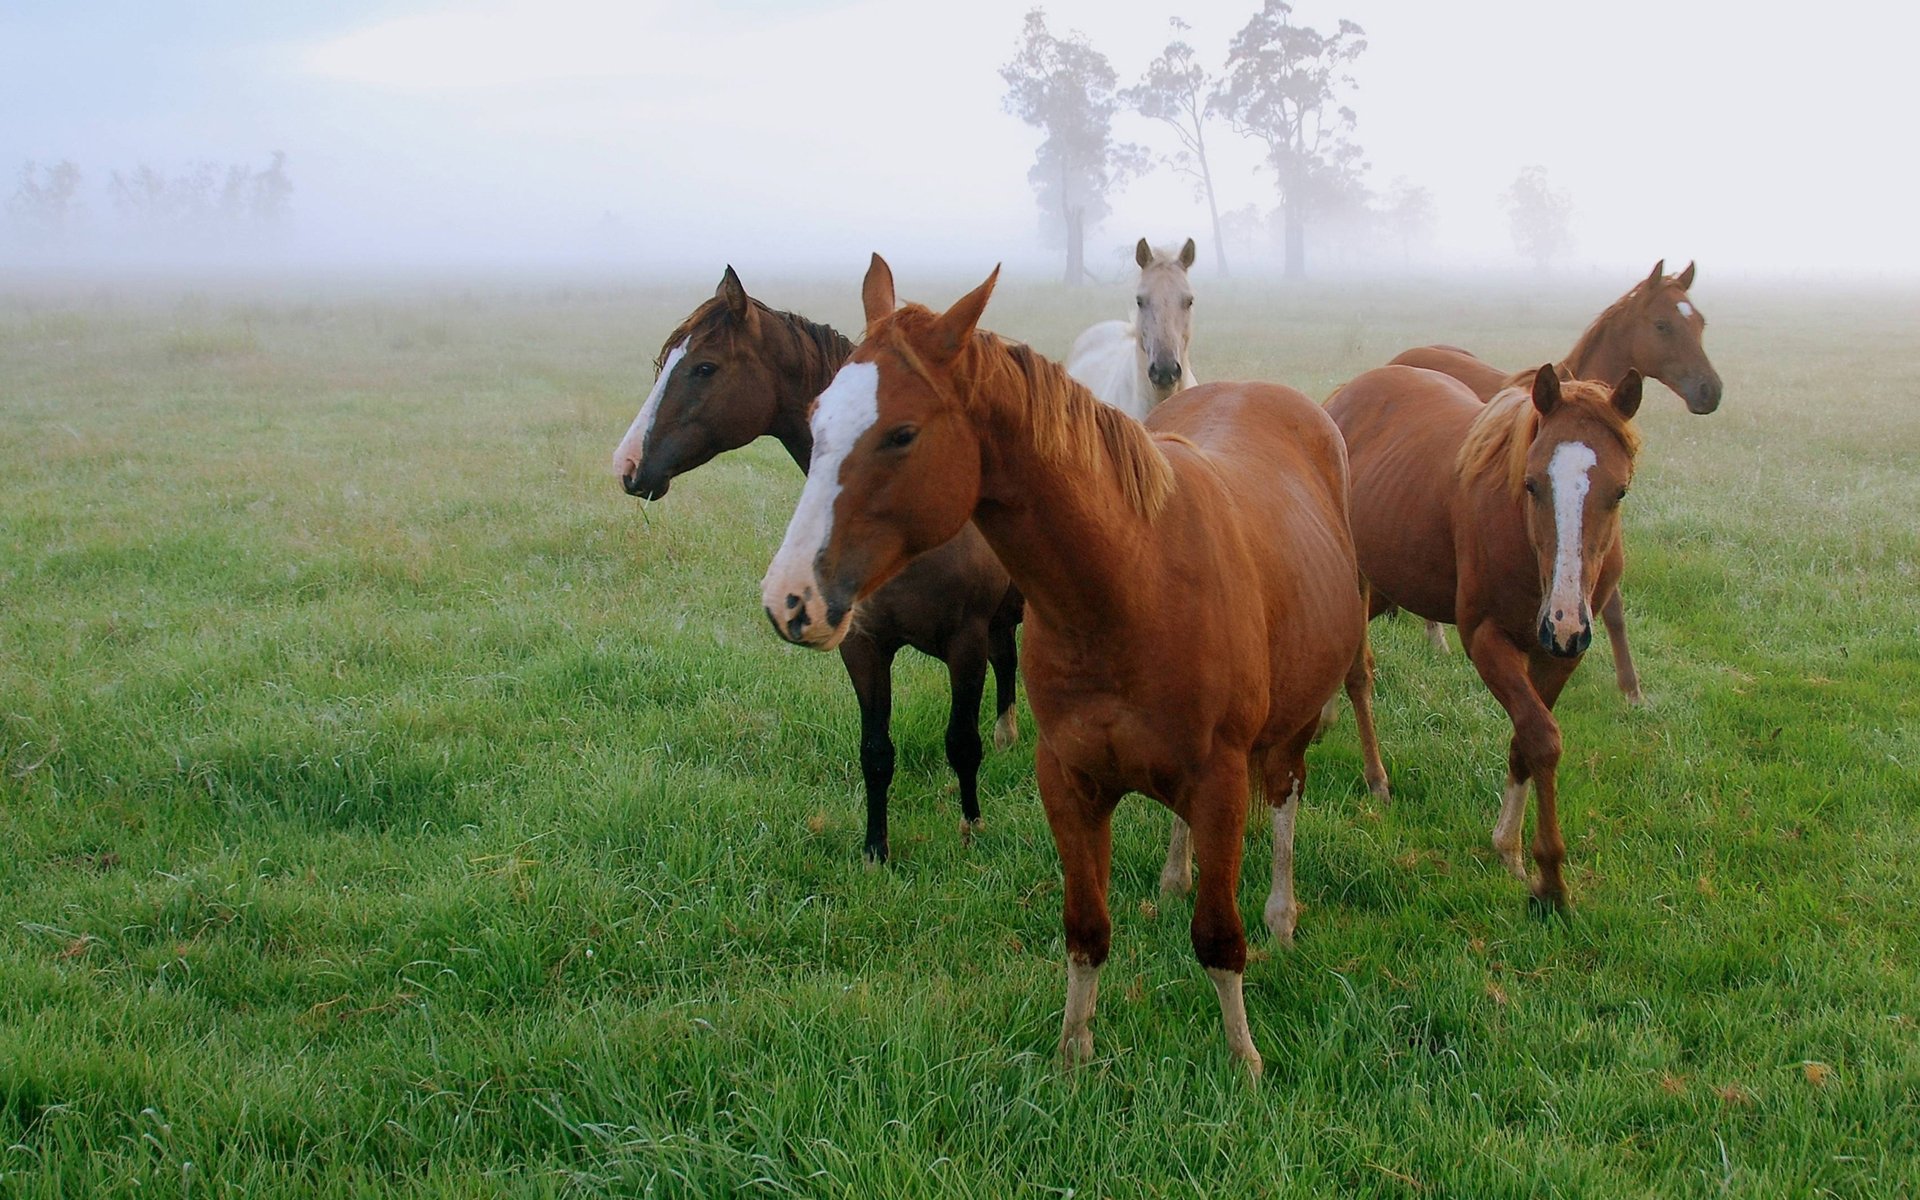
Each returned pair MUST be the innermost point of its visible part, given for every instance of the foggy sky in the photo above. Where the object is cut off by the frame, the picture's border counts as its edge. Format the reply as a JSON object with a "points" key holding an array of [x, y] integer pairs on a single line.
{"points": [[804, 134]]}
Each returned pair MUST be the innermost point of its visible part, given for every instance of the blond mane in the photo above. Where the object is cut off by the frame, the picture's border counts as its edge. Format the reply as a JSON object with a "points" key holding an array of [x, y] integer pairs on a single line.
{"points": [[1068, 426], [1498, 440]]}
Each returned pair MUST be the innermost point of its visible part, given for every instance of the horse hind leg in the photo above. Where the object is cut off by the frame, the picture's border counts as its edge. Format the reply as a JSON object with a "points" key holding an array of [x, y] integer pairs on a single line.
{"points": [[967, 672], [1437, 638], [1176, 875], [1284, 781], [1614, 614], [1003, 654], [1359, 684]]}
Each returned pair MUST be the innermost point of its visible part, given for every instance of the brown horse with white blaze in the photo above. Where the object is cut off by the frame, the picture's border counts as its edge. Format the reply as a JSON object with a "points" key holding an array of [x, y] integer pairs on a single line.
{"points": [[1654, 329], [736, 370], [1503, 519], [1192, 597]]}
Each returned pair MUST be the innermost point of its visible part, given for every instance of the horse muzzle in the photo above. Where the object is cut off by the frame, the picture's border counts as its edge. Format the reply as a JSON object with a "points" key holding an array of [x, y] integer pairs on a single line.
{"points": [[802, 614], [1702, 395], [1564, 638], [1164, 375]]}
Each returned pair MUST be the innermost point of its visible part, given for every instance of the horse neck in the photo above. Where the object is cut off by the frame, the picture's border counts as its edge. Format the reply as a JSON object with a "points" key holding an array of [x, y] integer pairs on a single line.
{"points": [[806, 355], [1068, 536], [1604, 351]]}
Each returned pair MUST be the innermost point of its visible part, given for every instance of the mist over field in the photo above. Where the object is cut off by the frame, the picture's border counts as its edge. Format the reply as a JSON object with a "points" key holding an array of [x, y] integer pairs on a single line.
{"points": [[796, 137]]}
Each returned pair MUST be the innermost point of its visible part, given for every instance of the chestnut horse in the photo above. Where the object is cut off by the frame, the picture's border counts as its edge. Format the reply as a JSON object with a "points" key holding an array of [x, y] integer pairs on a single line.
{"points": [[1134, 365], [736, 369], [1503, 519], [1192, 597], [1653, 329]]}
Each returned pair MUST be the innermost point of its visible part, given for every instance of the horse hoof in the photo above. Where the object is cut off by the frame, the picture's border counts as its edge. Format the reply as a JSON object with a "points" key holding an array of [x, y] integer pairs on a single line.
{"points": [[1006, 731], [1176, 883], [1076, 1047], [876, 856], [1635, 697], [1545, 908], [1380, 791], [1252, 1062], [1281, 924], [968, 828]]}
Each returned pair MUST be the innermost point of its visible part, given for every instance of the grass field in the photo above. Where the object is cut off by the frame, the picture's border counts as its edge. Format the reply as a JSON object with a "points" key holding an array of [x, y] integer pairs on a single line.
{"points": [[391, 806]]}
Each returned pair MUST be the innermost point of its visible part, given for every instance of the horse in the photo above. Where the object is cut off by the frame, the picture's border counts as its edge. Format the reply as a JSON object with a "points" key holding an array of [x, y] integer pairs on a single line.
{"points": [[1653, 329], [1192, 594], [1134, 365], [1502, 519], [736, 369]]}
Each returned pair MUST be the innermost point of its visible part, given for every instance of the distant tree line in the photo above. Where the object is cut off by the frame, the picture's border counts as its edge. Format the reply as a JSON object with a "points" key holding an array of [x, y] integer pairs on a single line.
{"points": [[1284, 85], [201, 206]]}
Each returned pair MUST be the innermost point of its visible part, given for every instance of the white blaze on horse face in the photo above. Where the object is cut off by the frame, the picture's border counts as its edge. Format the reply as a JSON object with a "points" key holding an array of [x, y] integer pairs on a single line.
{"points": [[1568, 470], [633, 447], [1686, 310], [846, 410]]}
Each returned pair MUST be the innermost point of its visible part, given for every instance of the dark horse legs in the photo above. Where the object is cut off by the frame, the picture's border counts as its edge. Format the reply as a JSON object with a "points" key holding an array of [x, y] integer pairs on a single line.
{"points": [[869, 665]]}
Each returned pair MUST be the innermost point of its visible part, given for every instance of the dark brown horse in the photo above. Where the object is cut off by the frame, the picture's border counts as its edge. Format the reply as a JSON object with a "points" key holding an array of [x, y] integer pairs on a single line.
{"points": [[736, 369], [1653, 329], [1192, 598], [1503, 519]]}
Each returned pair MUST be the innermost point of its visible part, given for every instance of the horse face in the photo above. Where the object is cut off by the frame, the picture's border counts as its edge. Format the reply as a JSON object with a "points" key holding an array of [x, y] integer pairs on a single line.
{"points": [[1666, 343], [896, 472], [1577, 473], [1164, 314], [716, 391]]}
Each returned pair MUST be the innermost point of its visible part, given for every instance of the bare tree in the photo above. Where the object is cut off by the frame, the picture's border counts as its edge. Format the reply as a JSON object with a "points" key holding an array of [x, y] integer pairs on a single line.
{"points": [[1282, 83], [1065, 87], [1540, 216], [1409, 214], [46, 201], [1178, 92]]}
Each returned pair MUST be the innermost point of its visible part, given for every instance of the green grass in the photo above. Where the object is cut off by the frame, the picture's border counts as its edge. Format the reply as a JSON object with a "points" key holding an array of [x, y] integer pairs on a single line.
{"points": [[390, 806]]}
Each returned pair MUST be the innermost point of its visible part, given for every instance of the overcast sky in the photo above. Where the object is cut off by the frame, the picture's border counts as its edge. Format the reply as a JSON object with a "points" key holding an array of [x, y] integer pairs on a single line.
{"points": [[807, 132]]}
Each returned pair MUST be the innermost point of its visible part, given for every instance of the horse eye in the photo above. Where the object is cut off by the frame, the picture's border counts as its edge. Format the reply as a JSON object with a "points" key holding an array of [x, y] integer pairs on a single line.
{"points": [[1533, 489], [900, 437], [1189, 302], [704, 370], [1140, 301], [1663, 326], [1621, 496]]}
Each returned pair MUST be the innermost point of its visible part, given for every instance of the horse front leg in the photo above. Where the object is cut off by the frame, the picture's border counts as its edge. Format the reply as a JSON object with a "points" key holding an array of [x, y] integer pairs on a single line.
{"points": [[1003, 652], [870, 667], [1081, 820], [1215, 804], [1359, 684], [967, 674], [1532, 756]]}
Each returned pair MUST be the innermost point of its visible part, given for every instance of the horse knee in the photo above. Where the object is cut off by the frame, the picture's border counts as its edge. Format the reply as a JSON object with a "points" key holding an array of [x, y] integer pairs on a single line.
{"points": [[1089, 934], [876, 756], [963, 748], [1219, 942]]}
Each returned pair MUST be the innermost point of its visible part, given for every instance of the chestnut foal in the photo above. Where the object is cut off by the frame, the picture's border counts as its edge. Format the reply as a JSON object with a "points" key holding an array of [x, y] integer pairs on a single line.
{"points": [[1503, 519], [736, 369], [1192, 597]]}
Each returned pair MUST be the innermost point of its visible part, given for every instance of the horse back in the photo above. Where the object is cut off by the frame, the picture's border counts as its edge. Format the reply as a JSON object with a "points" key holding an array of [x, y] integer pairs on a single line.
{"points": [[1484, 379], [1403, 428]]}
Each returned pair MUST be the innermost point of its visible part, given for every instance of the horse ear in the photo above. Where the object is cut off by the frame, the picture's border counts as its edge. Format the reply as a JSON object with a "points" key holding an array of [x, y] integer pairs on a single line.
{"points": [[1653, 280], [1546, 389], [1143, 254], [876, 292], [734, 294], [1685, 279], [957, 324], [1186, 254], [1626, 397]]}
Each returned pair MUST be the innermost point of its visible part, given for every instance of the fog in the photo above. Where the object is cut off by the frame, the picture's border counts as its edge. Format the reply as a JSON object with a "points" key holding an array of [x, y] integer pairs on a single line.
{"points": [[797, 135]]}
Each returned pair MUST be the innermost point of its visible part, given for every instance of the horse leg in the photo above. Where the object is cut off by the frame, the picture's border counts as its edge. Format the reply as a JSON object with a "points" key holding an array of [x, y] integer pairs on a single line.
{"points": [[870, 665], [1534, 753], [1081, 820], [1003, 652], [1360, 693], [1216, 809], [1283, 772], [967, 672], [1176, 875], [1614, 613], [1437, 638]]}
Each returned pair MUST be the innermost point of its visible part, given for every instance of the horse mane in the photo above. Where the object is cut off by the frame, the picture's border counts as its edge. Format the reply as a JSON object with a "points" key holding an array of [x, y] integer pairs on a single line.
{"points": [[820, 345], [1068, 426], [1501, 434], [1597, 328]]}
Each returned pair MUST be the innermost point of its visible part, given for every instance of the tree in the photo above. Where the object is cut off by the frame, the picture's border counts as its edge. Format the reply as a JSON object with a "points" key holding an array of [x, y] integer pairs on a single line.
{"points": [[1282, 82], [1409, 214], [46, 201], [1066, 88], [1539, 215], [1178, 92]]}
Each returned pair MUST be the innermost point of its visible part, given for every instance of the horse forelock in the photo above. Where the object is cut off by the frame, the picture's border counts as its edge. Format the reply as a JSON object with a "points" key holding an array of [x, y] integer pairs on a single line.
{"points": [[713, 319], [1501, 435], [1067, 425]]}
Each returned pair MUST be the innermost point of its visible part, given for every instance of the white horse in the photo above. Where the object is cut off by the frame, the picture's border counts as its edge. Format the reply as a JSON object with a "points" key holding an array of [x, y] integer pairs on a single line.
{"points": [[1134, 365]]}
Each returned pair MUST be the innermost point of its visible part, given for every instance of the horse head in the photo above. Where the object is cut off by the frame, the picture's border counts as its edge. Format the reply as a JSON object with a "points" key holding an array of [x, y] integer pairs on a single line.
{"points": [[896, 464]]}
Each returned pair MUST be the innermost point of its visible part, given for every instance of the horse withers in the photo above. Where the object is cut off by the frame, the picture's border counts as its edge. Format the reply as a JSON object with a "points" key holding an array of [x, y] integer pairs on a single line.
{"points": [[1134, 365], [736, 370], [1502, 519], [1192, 596]]}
